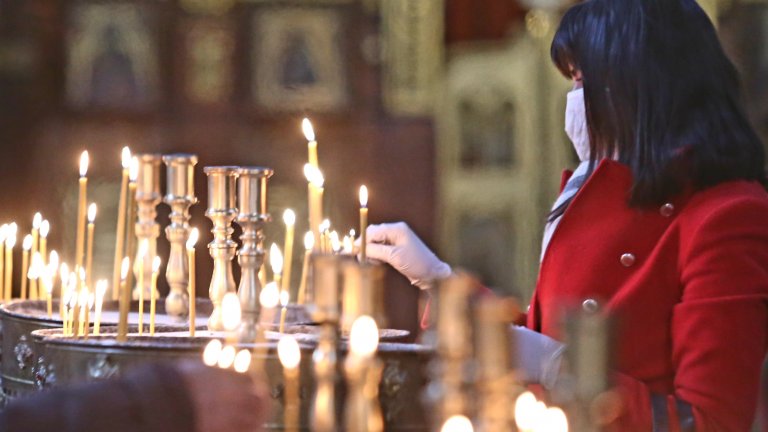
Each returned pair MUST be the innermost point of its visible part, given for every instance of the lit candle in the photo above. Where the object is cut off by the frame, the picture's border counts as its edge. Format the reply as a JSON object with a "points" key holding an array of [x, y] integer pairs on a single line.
{"points": [[269, 298], [276, 262], [457, 423], [143, 250], [290, 357], [335, 242], [37, 220], [26, 246], [82, 311], [89, 249], [193, 235], [125, 301], [45, 228], [10, 242], [101, 289], [121, 215], [71, 307], [231, 312], [212, 352], [348, 245], [3, 235], [315, 187], [64, 275], [227, 357], [555, 420], [242, 361], [35, 267], [526, 412], [309, 244], [284, 297], [309, 134], [363, 220], [153, 294], [131, 221], [82, 197], [325, 226], [289, 217]]}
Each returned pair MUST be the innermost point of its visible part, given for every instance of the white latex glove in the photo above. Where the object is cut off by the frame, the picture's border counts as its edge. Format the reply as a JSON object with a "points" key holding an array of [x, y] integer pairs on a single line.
{"points": [[398, 246], [538, 356]]}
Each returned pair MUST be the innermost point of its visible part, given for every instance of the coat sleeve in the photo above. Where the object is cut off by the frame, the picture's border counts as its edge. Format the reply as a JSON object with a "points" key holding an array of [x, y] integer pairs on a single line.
{"points": [[150, 399], [719, 328]]}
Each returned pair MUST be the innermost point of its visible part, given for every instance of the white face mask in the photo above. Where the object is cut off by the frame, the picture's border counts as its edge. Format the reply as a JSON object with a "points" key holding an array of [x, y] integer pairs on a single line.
{"points": [[576, 123]]}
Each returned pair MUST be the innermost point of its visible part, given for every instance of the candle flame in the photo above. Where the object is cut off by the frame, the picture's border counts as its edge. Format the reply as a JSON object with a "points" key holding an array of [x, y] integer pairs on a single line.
{"points": [[37, 219], [91, 212], [133, 173], [555, 420], [364, 336], [242, 361], [276, 259], [363, 196], [285, 297], [457, 423], [53, 259], [126, 157], [525, 405], [27, 243], [212, 352], [84, 163], [36, 268], [156, 264], [64, 273], [352, 233], [325, 225], [289, 217], [143, 249], [124, 268], [335, 242], [309, 241], [47, 281], [306, 127], [347, 246], [270, 295], [314, 175], [10, 241], [230, 311], [45, 228], [227, 357], [101, 289], [289, 353], [193, 236]]}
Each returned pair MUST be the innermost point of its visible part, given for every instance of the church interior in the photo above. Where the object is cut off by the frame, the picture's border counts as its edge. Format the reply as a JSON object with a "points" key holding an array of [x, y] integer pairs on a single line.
{"points": [[449, 112]]}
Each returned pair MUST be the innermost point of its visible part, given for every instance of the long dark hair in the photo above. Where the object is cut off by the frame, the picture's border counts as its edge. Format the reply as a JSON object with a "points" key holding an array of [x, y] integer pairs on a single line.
{"points": [[660, 93]]}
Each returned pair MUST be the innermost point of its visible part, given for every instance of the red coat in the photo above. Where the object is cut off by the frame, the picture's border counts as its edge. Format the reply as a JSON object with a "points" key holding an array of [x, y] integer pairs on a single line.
{"points": [[688, 285]]}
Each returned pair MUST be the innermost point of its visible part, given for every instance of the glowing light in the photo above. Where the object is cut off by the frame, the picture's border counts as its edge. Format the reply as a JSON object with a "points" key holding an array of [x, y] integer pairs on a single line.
{"points": [[309, 241], [554, 420], [64, 273], [84, 163], [227, 357], [10, 241], [325, 225], [275, 259], [37, 219], [242, 361], [53, 260], [457, 423], [314, 175], [91, 213], [126, 157], [270, 295], [27, 243], [306, 127], [364, 336], [230, 311], [335, 241], [133, 170], [156, 264], [363, 196], [193, 236], [45, 228], [101, 289], [289, 217], [124, 268], [36, 269], [212, 352], [285, 297], [289, 353]]}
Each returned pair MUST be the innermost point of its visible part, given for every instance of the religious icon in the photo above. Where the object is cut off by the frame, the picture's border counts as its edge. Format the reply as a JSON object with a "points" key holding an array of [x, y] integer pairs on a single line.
{"points": [[487, 133], [111, 57], [297, 60]]}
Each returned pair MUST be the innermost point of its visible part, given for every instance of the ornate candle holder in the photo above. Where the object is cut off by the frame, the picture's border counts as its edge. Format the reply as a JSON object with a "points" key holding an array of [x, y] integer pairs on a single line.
{"points": [[363, 293], [496, 381], [252, 202], [221, 211], [180, 196], [147, 229]]}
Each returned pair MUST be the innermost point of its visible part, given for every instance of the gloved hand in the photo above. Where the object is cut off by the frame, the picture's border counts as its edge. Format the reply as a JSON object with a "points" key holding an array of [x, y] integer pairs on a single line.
{"points": [[398, 246], [538, 356]]}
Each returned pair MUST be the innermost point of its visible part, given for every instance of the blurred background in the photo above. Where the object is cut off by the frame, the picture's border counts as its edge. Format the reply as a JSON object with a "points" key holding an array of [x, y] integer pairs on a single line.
{"points": [[448, 110]]}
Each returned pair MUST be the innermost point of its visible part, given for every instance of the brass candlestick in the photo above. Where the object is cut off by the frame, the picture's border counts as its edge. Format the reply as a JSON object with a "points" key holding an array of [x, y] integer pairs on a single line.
{"points": [[147, 229], [221, 211], [180, 196], [363, 293], [252, 203]]}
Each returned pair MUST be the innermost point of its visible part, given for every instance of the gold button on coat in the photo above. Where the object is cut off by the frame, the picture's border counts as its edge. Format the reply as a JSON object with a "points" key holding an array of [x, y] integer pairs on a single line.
{"points": [[627, 260]]}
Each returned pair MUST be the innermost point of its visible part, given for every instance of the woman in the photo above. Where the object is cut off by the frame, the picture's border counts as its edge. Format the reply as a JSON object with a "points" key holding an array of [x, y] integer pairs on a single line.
{"points": [[664, 224]]}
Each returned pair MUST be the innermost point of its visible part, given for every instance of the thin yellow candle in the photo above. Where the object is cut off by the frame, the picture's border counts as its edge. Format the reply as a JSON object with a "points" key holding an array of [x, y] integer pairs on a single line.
{"points": [[309, 244], [143, 249], [10, 242], [125, 301], [121, 215], [82, 307], [101, 289], [325, 226], [26, 247], [363, 221], [81, 204], [71, 308], [37, 221], [89, 249], [45, 228], [315, 190], [289, 217], [193, 235], [335, 242], [35, 267], [3, 235], [76, 314], [290, 357], [131, 221], [64, 276], [309, 133], [276, 262], [153, 294]]}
